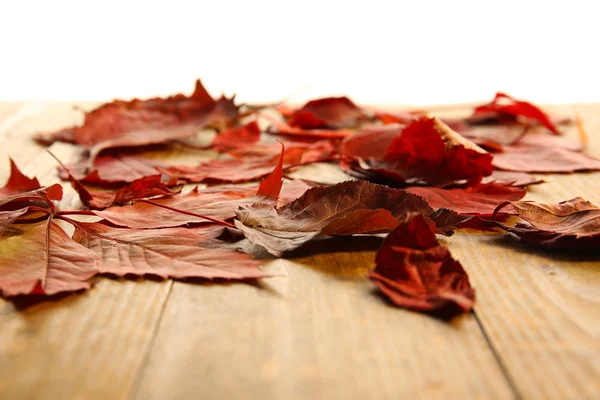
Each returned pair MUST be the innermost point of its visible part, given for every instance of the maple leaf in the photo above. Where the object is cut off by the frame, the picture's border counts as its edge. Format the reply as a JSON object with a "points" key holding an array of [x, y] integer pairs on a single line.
{"points": [[353, 207], [42, 259], [415, 272], [571, 224], [480, 200], [327, 113], [17, 182], [171, 252], [507, 107], [428, 151]]}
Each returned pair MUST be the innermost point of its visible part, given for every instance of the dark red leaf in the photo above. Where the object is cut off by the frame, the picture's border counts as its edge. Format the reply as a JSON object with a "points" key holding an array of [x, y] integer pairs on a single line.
{"points": [[572, 224], [426, 150], [327, 113], [507, 107], [415, 272]]}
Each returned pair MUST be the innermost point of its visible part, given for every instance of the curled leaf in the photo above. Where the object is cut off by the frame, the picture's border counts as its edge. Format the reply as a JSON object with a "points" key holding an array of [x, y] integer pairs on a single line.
{"points": [[415, 272], [353, 207], [571, 224], [507, 107]]}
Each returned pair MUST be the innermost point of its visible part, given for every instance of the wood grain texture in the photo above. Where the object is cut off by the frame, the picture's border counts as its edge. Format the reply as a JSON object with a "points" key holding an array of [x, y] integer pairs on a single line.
{"points": [[320, 332]]}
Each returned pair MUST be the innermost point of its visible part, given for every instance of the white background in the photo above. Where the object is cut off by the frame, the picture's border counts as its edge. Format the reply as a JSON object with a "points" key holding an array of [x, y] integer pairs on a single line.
{"points": [[387, 52]]}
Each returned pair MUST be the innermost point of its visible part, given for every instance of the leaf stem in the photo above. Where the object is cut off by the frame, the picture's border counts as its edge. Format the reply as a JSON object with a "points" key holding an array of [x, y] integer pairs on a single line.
{"points": [[216, 221]]}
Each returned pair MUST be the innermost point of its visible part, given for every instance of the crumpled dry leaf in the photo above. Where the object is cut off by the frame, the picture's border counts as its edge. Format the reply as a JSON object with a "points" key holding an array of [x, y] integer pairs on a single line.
{"points": [[415, 272], [352, 207], [426, 150], [571, 224]]}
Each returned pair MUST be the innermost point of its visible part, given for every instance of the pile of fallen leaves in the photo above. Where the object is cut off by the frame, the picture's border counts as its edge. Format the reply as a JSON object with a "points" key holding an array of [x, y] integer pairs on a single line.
{"points": [[411, 176]]}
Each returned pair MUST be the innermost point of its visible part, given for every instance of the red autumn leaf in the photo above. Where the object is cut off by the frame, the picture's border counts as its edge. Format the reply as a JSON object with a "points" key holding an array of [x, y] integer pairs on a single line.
{"points": [[426, 151], [112, 169], [144, 122], [572, 224], [244, 169], [238, 137], [327, 113], [370, 141], [480, 200], [353, 207], [43, 196], [172, 252], [507, 107], [17, 182], [270, 187], [43, 259], [526, 158], [149, 186], [415, 272], [218, 203]]}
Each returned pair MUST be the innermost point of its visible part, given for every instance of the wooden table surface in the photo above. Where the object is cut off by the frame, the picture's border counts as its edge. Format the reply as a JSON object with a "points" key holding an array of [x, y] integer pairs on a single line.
{"points": [[320, 331]]}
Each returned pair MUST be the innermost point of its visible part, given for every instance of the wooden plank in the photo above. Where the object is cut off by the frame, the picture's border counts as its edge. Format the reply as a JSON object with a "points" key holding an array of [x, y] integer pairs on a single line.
{"points": [[87, 345], [318, 332], [541, 309]]}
